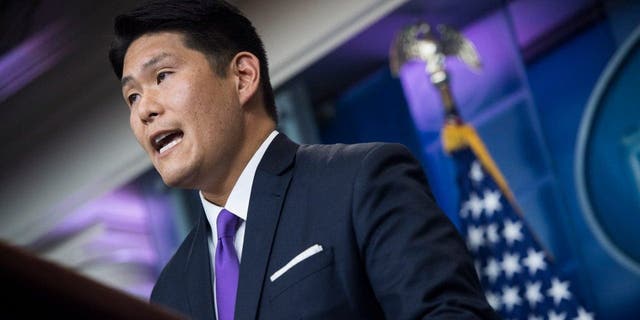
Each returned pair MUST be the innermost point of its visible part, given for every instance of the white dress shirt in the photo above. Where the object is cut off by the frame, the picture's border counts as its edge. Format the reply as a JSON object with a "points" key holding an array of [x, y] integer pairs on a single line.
{"points": [[237, 203]]}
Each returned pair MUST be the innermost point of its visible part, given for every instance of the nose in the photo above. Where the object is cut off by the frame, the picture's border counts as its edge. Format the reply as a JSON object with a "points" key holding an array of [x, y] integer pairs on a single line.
{"points": [[149, 109]]}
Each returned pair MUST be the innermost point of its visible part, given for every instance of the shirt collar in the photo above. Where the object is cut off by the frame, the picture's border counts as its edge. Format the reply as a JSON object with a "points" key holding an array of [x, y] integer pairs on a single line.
{"points": [[238, 201]]}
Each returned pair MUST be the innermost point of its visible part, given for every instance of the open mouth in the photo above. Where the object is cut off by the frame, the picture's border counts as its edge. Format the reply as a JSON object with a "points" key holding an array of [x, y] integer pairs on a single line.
{"points": [[164, 141]]}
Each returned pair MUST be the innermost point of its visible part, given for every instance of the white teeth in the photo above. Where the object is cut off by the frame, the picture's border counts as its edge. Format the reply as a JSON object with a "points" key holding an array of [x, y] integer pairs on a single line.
{"points": [[170, 145], [162, 136]]}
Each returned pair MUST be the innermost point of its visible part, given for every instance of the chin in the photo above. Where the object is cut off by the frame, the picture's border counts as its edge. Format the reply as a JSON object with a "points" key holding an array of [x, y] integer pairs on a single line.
{"points": [[176, 183], [169, 182], [176, 180]]}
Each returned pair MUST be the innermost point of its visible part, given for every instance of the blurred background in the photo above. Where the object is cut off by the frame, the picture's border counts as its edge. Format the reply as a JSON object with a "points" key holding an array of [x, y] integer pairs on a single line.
{"points": [[557, 104]]}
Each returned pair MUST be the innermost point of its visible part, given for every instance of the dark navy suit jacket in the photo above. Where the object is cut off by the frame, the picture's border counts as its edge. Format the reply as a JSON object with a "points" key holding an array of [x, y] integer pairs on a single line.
{"points": [[389, 251]]}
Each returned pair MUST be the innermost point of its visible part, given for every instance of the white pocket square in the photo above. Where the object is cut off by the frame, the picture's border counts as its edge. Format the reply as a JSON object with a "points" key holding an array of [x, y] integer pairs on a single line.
{"points": [[299, 258]]}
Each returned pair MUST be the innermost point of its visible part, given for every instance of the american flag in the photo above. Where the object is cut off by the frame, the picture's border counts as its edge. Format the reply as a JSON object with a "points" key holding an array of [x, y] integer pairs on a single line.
{"points": [[519, 279]]}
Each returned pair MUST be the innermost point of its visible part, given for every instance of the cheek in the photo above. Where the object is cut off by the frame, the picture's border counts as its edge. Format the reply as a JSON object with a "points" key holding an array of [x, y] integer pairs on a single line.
{"points": [[179, 93], [136, 129]]}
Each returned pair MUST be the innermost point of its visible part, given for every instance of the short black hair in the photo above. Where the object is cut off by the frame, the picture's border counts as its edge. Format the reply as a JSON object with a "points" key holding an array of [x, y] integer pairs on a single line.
{"points": [[215, 28]]}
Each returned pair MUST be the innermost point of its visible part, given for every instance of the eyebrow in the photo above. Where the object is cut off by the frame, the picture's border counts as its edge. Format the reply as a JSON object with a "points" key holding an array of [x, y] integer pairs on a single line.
{"points": [[152, 62]]}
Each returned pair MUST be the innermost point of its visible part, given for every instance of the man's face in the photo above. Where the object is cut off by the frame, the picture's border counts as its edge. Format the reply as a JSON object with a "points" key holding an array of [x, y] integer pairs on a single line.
{"points": [[186, 117]]}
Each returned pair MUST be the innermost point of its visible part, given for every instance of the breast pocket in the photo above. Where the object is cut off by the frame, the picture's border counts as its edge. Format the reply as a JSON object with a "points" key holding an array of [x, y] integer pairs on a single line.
{"points": [[301, 271]]}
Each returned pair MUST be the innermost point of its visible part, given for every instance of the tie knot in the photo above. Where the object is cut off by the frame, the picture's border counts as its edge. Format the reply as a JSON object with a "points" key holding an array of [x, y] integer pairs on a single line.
{"points": [[227, 224]]}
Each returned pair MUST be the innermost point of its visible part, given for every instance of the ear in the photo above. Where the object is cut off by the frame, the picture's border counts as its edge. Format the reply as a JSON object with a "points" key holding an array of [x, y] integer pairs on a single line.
{"points": [[246, 68]]}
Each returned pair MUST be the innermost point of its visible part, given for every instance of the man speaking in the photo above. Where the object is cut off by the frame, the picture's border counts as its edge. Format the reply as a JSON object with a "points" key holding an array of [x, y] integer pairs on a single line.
{"points": [[288, 231]]}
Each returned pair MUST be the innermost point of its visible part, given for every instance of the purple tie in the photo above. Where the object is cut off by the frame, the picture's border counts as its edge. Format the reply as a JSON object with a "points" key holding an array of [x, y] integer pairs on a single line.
{"points": [[227, 266]]}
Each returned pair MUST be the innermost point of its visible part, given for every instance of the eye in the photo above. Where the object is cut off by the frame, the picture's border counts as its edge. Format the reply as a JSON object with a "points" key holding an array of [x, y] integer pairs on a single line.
{"points": [[132, 98], [161, 76]]}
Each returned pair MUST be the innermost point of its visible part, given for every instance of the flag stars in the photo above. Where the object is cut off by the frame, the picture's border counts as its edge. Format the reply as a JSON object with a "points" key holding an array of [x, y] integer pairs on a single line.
{"points": [[475, 237], [476, 174], [533, 294], [583, 314], [512, 231], [494, 300], [552, 315], [534, 261], [510, 297], [464, 210], [510, 264], [519, 279], [492, 202], [559, 290], [475, 205], [492, 233], [492, 270]]}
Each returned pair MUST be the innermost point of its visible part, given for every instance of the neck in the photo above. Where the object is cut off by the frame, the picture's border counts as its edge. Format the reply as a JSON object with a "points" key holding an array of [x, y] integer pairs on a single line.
{"points": [[219, 191]]}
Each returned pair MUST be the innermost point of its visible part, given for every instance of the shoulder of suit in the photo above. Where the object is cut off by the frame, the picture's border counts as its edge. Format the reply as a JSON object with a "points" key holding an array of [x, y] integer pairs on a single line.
{"points": [[176, 265], [358, 151], [345, 160]]}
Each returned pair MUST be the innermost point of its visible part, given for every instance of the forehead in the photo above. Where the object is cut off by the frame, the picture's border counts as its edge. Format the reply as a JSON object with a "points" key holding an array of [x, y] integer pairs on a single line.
{"points": [[148, 46]]}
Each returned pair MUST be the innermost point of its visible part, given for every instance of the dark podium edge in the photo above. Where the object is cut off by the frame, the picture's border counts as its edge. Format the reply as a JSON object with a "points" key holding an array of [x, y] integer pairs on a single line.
{"points": [[31, 286]]}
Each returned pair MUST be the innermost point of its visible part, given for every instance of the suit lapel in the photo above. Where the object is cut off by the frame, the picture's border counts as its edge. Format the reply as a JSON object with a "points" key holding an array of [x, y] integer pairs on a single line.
{"points": [[268, 192], [198, 274]]}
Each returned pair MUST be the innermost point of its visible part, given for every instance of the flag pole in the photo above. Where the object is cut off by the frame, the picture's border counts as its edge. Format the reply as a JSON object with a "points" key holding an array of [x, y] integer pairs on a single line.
{"points": [[420, 42]]}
